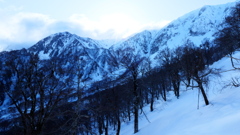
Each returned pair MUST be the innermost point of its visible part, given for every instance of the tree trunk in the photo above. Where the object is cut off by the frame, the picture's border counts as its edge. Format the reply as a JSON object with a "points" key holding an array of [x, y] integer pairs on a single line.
{"points": [[135, 119], [152, 100], [163, 93], [176, 85], [203, 92], [118, 126], [136, 103]]}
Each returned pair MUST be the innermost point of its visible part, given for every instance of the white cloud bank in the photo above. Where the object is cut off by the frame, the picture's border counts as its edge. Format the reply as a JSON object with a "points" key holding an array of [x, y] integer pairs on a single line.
{"points": [[24, 29]]}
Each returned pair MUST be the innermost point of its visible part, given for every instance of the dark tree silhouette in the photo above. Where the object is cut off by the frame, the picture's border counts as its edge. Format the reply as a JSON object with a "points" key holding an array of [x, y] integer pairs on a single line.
{"points": [[34, 87], [229, 38], [132, 63], [172, 66], [194, 68]]}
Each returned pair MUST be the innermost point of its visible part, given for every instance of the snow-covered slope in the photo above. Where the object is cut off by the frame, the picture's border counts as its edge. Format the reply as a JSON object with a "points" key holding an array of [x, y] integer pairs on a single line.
{"points": [[197, 27], [94, 60], [181, 116]]}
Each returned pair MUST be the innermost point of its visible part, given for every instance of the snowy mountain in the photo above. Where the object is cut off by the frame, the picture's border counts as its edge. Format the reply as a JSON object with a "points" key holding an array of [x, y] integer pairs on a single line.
{"points": [[94, 66], [94, 59], [197, 26]]}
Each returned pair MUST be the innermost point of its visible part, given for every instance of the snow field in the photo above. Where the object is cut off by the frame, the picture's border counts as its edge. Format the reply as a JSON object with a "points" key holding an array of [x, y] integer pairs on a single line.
{"points": [[182, 116]]}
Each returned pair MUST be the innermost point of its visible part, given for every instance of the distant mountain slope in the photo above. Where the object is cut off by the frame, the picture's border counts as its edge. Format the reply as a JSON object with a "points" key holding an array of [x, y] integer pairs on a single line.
{"points": [[196, 26], [97, 61]]}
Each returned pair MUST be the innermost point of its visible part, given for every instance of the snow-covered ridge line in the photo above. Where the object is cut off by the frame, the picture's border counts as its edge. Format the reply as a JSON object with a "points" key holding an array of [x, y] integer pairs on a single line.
{"points": [[197, 26]]}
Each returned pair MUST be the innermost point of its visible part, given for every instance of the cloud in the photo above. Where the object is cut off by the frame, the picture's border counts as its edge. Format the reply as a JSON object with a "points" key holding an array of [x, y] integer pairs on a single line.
{"points": [[113, 26], [107, 27], [156, 25], [24, 29]]}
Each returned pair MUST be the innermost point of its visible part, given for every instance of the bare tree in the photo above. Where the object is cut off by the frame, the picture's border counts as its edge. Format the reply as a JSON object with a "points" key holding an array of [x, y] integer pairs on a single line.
{"points": [[172, 66], [194, 68], [229, 37], [132, 63], [35, 88]]}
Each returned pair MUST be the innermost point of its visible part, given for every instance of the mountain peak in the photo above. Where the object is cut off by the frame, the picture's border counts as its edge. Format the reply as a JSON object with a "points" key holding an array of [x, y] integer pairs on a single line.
{"points": [[66, 33]]}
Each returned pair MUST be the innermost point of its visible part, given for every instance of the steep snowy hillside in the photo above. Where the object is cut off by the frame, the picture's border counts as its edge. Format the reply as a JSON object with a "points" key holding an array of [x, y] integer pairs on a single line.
{"points": [[140, 43], [197, 27], [56, 44], [95, 61], [182, 116]]}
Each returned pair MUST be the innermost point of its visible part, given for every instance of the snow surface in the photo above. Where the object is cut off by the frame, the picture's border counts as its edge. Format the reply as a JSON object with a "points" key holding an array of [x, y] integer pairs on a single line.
{"points": [[182, 116]]}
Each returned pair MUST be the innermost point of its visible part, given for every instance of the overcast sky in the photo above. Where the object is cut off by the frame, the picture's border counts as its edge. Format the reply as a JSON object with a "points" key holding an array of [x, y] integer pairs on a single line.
{"points": [[24, 22]]}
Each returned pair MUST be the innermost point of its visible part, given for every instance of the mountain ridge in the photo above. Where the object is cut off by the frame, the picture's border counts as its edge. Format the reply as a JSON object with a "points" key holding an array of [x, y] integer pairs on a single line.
{"points": [[191, 24], [197, 26]]}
